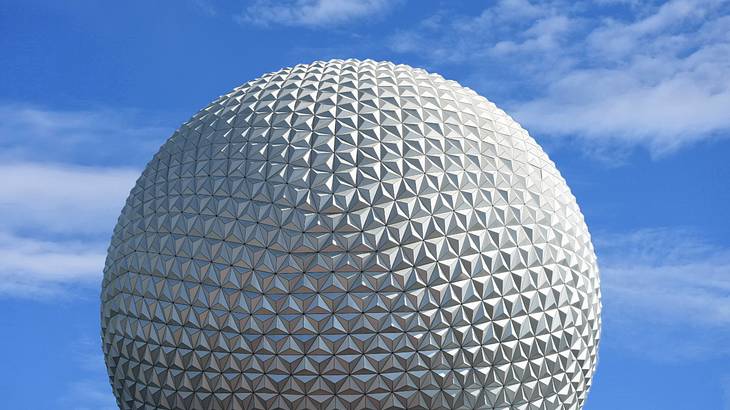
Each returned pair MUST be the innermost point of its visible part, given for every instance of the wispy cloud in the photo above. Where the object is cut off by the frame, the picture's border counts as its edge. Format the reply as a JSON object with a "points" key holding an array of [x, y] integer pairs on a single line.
{"points": [[90, 390], [665, 284], [506, 28], [656, 75], [311, 13], [89, 394], [60, 199], [55, 221], [56, 218], [31, 267], [92, 137], [205, 6], [662, 81]]}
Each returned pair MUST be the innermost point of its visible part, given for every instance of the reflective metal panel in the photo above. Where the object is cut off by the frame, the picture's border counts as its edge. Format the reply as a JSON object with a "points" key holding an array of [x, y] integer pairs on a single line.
{"points": [[351, 235]]}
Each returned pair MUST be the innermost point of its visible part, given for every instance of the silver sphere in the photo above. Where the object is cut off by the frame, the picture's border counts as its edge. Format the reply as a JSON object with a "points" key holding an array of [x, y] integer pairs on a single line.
{"points": [[350, 235]]}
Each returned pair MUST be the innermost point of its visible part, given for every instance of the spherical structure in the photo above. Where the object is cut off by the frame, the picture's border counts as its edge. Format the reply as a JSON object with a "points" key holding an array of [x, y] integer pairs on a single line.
{"points": [[350, 235]]}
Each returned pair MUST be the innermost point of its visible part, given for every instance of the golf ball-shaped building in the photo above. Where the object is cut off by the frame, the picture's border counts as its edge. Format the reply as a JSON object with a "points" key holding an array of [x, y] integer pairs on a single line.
{"points": [[350, 235]]}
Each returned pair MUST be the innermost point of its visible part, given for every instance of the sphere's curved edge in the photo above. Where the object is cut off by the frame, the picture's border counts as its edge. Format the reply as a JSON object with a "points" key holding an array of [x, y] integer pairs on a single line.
{"points": [[351, 234]]}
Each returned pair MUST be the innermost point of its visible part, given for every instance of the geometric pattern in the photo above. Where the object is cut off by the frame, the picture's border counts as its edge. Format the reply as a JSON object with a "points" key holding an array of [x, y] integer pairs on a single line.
{"points": [[351, 235]]}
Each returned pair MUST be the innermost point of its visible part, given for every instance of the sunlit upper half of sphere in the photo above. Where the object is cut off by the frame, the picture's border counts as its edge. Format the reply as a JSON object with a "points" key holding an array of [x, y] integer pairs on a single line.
{"points": [[350, 235]]}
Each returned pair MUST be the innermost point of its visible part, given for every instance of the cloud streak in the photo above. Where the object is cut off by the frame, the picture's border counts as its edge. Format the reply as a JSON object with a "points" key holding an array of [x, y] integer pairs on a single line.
{"points": [[31, 267], [56, 218], [659, 78], [54, 225], [665, 284], [91, 137], [60, 199], [90, 390], [311, 13]]}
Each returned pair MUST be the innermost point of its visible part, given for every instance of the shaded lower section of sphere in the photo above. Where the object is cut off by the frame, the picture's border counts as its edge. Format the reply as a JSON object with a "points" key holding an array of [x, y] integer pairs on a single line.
{"points": [[351, 235]]}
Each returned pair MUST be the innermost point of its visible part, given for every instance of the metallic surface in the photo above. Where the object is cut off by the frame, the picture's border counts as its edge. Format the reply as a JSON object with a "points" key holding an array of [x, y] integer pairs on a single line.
{"points": [[351, 234]]}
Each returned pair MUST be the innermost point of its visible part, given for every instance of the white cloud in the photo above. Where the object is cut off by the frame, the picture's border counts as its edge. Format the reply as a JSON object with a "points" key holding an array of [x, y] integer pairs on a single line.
{"points": [[543, 36], [102, 136], [670, 87], [507, 28], [55, 218], [627, 105], [669, 275], [616, 39], [90, 390], [55, 221], [653, 76], [31, 267], [62, 198], [205, 6], [311, 13], [89, 394], [666, 284]]}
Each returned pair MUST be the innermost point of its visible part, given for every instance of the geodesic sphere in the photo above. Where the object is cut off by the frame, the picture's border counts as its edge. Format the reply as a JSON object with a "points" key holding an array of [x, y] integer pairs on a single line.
{"points": [[350, 235]]}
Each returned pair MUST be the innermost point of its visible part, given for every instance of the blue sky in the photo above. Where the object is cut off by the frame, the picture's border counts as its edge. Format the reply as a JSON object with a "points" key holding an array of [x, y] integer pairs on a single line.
{"points": [[631, 99]]}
